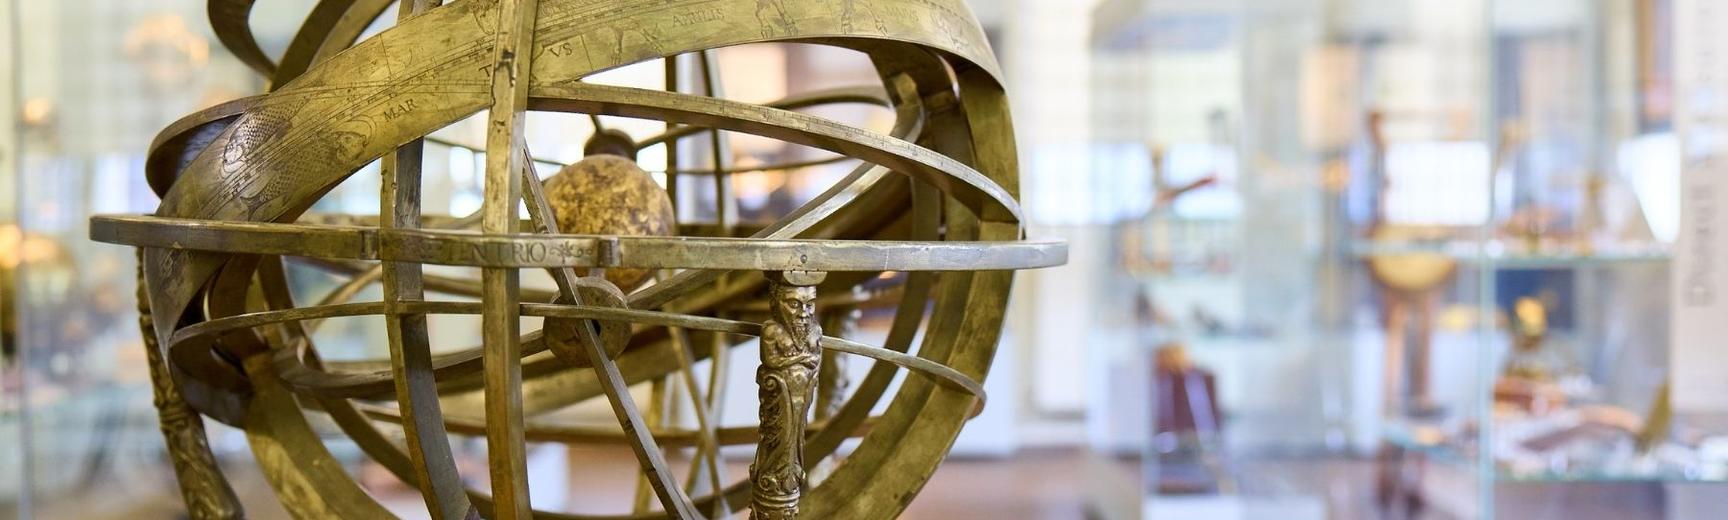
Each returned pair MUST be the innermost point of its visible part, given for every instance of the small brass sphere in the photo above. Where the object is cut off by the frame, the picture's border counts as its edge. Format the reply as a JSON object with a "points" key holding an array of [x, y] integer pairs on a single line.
{"points": [[610, 195], [614, 335]]}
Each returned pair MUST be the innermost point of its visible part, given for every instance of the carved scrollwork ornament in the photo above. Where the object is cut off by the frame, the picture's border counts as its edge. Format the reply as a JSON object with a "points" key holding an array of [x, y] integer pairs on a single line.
{"points": [[786, 384]]}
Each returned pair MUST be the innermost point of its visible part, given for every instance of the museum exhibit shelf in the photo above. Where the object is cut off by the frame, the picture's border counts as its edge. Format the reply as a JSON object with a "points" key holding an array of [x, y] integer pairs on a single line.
{"points": [[1425, 439], [1439, 262], [1504, 257], [1575, 309]]}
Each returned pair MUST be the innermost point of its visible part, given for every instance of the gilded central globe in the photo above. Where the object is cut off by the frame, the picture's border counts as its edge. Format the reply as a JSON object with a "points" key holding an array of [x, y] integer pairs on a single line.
{"points": [[924, 230]]}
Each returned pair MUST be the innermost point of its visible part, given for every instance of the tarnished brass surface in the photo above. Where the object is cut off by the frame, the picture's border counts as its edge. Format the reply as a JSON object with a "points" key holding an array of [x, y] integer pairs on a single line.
{"points": [[934, 197]]}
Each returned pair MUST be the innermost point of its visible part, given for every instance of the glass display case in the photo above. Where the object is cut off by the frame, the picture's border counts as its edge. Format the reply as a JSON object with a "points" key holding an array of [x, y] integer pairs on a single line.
{"points": [[1402, 259], [88, 85]]}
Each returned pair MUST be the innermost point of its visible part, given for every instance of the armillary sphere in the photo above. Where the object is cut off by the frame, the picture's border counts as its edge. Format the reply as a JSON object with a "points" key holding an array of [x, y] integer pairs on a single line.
{"points": [[641, 294]]}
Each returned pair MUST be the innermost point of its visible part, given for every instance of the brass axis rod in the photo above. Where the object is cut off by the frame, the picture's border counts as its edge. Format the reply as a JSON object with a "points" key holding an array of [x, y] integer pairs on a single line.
{"points": [[507, 451]]}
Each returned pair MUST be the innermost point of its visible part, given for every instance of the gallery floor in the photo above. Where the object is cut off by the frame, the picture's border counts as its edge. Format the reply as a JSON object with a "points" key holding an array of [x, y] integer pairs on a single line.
{"points": [[1032, 486]]}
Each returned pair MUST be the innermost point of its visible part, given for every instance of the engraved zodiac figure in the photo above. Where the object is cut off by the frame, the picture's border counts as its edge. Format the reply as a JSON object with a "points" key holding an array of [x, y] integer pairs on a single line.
{"points": [[791, 353], [777, 21], [649, 39], [248, 147], [849, 16], [949, 29], [848, 9]]}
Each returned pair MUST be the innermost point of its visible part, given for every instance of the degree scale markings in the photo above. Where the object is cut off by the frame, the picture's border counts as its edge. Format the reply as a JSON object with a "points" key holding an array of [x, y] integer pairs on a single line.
{"points": [[548, 251]]}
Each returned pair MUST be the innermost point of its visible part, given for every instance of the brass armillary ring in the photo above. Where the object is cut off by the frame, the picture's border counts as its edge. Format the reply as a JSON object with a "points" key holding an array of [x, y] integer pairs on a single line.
{"points": [[555, 251], [926, 225]]}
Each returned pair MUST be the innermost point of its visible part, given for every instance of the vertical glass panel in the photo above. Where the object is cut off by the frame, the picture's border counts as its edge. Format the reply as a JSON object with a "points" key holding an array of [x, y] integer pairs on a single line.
{"points": [[94, 83], [1314, 179], [12, 446]]}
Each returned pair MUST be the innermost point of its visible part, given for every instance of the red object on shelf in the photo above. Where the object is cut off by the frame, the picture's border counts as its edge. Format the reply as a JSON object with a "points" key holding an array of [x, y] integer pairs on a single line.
{"points": [[1185, 395]]}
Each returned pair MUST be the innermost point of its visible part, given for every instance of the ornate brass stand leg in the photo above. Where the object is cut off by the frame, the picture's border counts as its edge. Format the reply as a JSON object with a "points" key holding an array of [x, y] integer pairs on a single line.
{"points": [[202, 485], [791, 356]]}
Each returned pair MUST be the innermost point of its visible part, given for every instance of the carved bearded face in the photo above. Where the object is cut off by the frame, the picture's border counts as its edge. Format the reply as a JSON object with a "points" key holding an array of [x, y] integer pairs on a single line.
{"points": [[795, 308]]}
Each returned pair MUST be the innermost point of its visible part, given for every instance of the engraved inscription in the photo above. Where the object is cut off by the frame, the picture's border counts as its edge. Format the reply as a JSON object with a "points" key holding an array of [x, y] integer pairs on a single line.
{"points": [[563, 49], [407, 106], [534, 253], [698, 16], [900, 12]]}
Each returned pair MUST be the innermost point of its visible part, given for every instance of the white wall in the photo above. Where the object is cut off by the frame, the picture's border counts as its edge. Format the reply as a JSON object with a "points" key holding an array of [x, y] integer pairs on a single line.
{"points": [[1045, 49]]}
